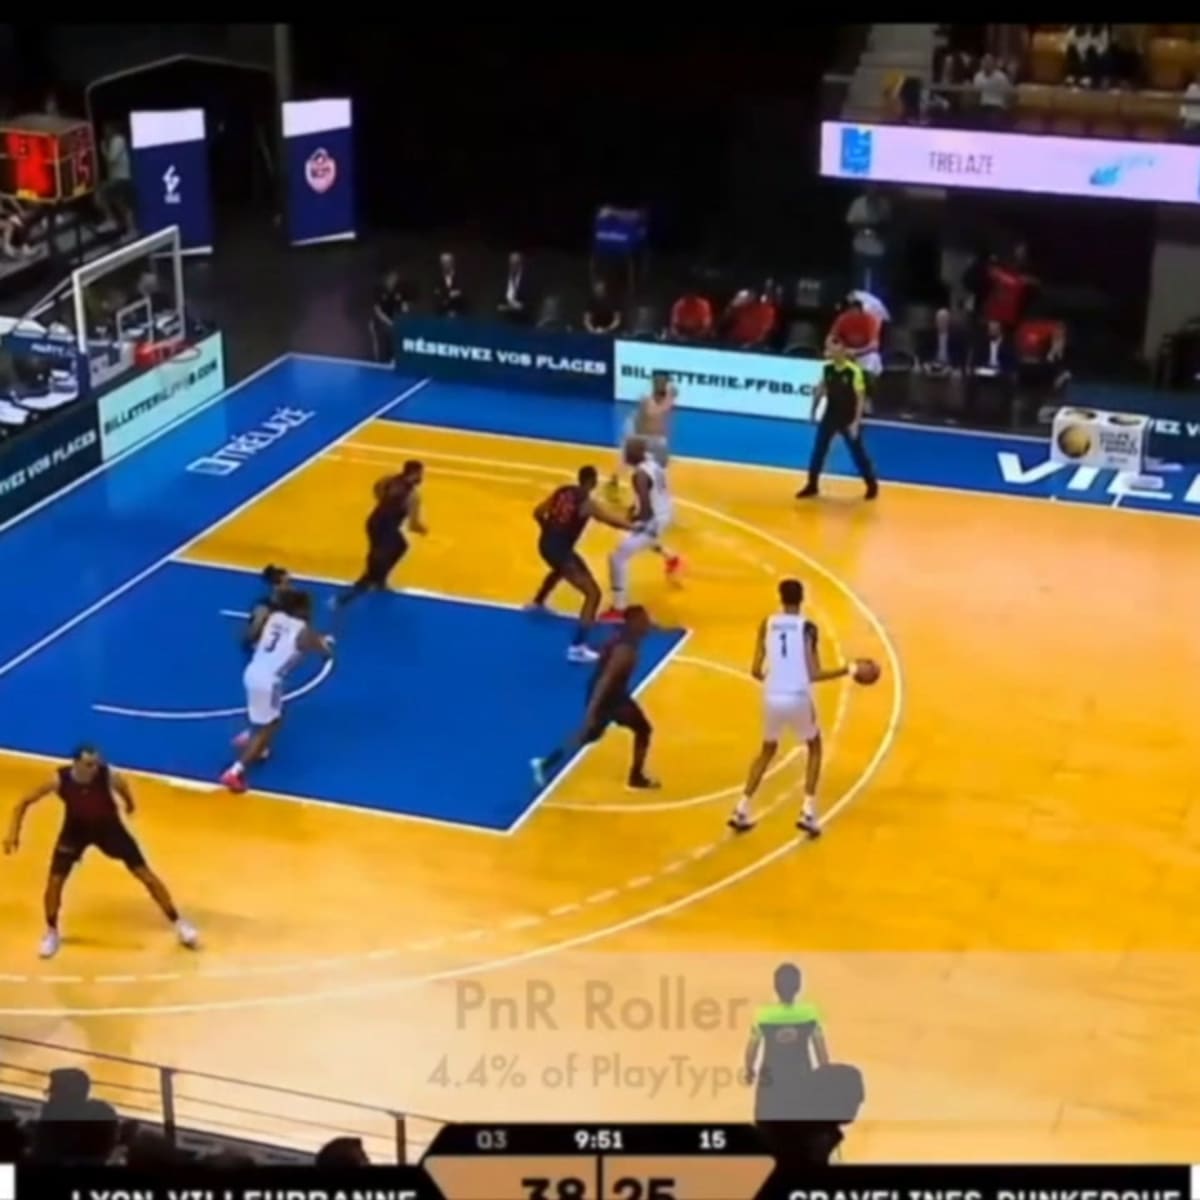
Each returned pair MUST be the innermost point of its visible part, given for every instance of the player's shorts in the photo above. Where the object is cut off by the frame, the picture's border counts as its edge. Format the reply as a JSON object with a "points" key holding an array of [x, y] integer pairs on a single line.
{"points": [[560, 555], [657, 446], [796, 713], [264, 698], [622, 710], [111, 838], [646, 536], [386, 547]]}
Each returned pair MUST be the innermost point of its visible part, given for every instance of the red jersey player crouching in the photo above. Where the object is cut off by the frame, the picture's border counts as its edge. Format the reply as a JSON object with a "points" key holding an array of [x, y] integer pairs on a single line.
{"points": [[89, 791], [562, 517], [286, 637]]}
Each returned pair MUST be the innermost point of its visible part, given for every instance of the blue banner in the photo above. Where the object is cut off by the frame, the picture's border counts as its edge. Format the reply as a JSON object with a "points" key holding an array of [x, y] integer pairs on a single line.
{"points": [[40, 460], [170, 175], [505, 355], [318, 139]]}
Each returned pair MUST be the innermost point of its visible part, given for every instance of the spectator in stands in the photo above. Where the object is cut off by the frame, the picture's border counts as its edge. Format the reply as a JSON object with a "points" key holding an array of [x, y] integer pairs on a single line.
{"points": [[952, 70], [868, 216], [993, 352], [115, 197], [1042, 368], [601, 314], [13, 1142], [389, 303], [1189, 111], [150, 1151], [858, 331], [449, 300], [516, 304], [1008, 286], [342, 1153], [749, 322], [941, 350], [1087, 55], [994, 89], [14, 229], [1125, 58], [691, 318]]}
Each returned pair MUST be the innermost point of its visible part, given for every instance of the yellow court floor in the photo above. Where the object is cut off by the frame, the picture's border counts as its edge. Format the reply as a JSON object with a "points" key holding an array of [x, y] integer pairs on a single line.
{"points": [[999, 925]]}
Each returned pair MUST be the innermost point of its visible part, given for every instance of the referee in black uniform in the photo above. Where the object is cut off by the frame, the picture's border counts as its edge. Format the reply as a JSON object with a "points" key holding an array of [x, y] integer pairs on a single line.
{"points": [[844, 388]]}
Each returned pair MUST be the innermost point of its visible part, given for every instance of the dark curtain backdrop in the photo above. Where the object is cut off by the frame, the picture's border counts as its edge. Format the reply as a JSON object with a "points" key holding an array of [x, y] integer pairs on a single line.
{"points": [[521, 139]]}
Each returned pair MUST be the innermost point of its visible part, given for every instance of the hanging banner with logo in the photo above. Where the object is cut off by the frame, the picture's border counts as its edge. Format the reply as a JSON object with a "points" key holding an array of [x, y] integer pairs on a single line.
{"points": [[170, 175], [1086, 437], [318, 138]]}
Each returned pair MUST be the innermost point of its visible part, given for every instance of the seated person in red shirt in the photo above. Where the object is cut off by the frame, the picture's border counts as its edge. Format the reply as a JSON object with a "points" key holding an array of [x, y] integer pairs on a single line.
{"points": [[691, 318], [858, 331], [749, 321]]}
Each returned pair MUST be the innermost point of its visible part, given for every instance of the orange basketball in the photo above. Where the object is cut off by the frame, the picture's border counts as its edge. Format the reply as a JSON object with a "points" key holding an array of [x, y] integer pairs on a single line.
{"points": [[866, 671]]}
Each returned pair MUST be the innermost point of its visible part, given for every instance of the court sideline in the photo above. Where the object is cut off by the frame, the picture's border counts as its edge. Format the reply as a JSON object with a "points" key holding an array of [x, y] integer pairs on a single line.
{"points": [[1005, 869]]}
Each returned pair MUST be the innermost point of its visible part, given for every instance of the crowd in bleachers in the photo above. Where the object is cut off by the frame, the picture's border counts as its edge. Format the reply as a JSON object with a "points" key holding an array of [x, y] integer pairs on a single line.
{"points": [[74, 1128], [1103, 80]]}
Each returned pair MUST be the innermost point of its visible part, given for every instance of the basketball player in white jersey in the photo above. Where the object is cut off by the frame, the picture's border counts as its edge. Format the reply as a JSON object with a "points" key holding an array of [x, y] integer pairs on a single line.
{"points": [[651, 425], [650, 515], [286, 637], [787, 660]]}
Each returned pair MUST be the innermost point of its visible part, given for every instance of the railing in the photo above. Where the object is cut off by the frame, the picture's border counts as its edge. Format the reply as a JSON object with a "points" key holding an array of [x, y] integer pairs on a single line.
{"points": [[187, 1103]]}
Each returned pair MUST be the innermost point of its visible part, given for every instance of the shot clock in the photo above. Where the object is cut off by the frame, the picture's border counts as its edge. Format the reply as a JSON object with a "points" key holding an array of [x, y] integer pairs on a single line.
{"points": [[46, 159]]}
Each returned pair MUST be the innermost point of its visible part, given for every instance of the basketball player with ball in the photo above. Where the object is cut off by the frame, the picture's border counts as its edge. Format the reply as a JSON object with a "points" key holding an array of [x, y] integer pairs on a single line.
{"points": [[787, 661]]}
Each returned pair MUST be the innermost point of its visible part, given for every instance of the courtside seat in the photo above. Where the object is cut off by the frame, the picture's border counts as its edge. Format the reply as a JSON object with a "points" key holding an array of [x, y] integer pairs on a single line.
{"points": [[1048, 57], [1072, 111], [1151, 116], [1169, 63], [1035, 103]]}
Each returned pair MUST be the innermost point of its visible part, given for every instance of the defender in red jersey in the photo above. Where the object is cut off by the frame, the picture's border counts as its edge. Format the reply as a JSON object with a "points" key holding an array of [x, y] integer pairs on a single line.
{"points": [[87, 788], [611, 702], [397, 504], [562, 517]]}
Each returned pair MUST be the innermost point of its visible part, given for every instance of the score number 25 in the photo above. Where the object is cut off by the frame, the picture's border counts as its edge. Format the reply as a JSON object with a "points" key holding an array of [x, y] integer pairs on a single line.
{"points": [[576, 1189]]}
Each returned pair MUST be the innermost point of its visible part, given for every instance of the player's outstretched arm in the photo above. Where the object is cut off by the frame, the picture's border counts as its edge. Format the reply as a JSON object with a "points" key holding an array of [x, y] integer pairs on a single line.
{"points": [[605, 516], [12, 839]]}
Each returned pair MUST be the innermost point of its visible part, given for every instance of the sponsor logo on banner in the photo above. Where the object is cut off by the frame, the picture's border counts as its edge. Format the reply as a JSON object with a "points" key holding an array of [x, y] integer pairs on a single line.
{"points": [[1063, 166], [506, 356], [320, 171], [760, 385], [1088, 437], [240, 450], [171, 183], [40, 461], [163, 395], [1093, 484]]}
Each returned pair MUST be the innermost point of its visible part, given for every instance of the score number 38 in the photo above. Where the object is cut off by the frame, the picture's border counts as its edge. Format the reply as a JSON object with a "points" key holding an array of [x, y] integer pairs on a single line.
{"points": [[576, 1189]]}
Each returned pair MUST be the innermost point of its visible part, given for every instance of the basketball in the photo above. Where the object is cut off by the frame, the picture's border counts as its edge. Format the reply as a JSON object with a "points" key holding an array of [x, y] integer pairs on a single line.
{"points": [[866, 671]]}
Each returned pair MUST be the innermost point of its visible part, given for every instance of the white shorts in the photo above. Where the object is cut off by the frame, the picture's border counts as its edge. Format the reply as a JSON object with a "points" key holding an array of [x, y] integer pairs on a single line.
{"points": [[645, 538], [656, 444], [264, 698], [796, 713]]}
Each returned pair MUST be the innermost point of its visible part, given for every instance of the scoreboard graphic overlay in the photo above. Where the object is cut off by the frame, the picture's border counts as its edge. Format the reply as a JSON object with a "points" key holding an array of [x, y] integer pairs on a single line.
{"points": [[586, 1162]]}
